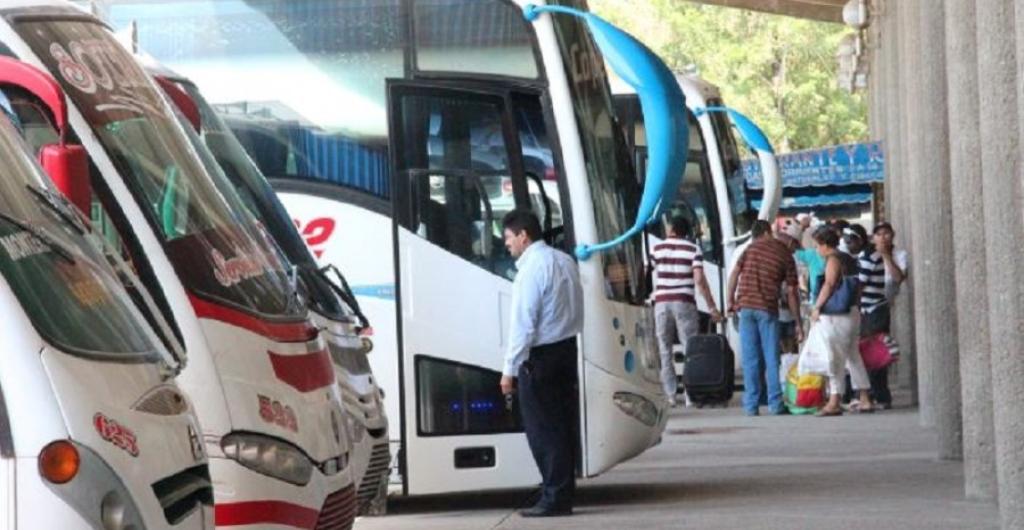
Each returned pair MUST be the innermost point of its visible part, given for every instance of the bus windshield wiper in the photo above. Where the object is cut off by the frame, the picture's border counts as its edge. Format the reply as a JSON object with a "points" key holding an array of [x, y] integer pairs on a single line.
{"points": [[59, 205], [55, 246], [344, 292]]}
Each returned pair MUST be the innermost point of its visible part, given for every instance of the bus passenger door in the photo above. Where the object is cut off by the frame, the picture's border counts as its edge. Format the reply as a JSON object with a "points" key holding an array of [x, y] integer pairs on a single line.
{"points": [[456, 170]]}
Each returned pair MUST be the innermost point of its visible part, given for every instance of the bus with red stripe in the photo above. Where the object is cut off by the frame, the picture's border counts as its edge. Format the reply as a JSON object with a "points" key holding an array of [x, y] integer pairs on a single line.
{"points": [[211, 271]]}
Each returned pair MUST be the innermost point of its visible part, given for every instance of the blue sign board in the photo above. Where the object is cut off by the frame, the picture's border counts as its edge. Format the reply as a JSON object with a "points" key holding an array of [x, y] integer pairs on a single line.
{"points": [[839, 165]]}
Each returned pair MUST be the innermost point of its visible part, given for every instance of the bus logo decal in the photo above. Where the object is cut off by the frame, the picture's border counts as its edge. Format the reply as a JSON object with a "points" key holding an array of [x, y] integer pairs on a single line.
{"points": [[115, 433], [272, 411], [316, 233]]}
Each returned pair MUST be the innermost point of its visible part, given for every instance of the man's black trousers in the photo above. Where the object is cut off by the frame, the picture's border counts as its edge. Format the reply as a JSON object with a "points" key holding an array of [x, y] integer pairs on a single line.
{"points": [[548, 403]]}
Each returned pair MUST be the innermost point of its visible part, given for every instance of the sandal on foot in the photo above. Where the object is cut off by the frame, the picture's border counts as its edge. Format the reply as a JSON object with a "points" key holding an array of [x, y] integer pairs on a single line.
{"points": [[824, 413]]}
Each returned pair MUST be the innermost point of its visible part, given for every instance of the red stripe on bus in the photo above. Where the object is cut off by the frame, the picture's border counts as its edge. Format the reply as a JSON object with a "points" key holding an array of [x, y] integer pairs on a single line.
{"points": [[304, 372], [277, 331], [265, 512]]}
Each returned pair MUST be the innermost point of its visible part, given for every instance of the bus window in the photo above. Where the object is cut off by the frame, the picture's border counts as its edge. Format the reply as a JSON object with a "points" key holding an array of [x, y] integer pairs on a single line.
{"points": [[694, 201], [743, 213], [454, 152], [474, 36], [614, 189], [460, 399], [539, 166]]}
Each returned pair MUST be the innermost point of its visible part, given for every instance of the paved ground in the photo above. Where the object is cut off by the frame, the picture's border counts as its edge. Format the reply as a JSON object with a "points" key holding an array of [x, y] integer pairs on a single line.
{"points": [[718, 469]]}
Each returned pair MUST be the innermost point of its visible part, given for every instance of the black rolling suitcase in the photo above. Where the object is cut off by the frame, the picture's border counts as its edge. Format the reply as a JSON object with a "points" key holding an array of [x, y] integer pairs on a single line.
{"points": [[709, 370]]}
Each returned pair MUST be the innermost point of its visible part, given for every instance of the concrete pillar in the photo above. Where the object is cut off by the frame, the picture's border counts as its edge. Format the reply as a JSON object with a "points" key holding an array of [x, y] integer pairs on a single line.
{"points": [[912, 149], [1004, 237], [904, 373], [969, 249], [932, 245]]}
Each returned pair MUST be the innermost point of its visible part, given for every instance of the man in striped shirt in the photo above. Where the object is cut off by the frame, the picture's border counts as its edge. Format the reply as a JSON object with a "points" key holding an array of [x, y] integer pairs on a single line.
{"points": [[755, 283], [678, 268]]}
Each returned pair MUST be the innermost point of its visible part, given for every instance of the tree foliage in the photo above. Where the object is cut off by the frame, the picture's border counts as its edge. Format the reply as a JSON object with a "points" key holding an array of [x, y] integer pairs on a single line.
{"points": [[781, 71]]}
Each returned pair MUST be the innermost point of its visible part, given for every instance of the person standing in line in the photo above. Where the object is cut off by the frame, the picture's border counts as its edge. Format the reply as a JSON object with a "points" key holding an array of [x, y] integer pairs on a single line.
{"points": [[835, 318], [678, 269], [546, 315], [754, 288], [884, 269]]}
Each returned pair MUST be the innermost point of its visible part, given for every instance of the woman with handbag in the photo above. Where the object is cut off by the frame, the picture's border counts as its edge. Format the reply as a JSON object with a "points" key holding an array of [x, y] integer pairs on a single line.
{"points": [[837, 315]]}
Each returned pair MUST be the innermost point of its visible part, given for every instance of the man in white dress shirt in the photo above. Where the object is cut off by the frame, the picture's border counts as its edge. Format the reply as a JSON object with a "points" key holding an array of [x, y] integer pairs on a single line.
{"points": [[540, 364]]}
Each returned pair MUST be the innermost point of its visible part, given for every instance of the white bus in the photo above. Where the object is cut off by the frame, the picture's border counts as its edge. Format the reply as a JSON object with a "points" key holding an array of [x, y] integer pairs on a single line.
{"points": [[332, 304], [94, 431], [713, 194], [402, 130], [259, 373]]}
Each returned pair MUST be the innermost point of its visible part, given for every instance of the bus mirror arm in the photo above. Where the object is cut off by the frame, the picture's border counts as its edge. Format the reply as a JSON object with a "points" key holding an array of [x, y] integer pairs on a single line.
{"points": [[664, 108], [758, 143], [342, 289]]}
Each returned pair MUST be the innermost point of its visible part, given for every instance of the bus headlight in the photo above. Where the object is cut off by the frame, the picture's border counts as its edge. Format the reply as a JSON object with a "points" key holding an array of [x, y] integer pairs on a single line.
{"points": [[269, 456], [333, 466], [639, 407]]}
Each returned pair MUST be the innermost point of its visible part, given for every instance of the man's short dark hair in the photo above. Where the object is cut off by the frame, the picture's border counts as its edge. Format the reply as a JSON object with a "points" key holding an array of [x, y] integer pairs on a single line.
{"points": [[679, 225], [518, 220], [760, 228]]}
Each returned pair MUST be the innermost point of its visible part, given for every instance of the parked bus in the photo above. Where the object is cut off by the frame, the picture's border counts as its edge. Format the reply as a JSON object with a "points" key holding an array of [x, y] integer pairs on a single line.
{"points": [[94, 431], [333, 306], [259, 374], [713, 194], [405, 129]]}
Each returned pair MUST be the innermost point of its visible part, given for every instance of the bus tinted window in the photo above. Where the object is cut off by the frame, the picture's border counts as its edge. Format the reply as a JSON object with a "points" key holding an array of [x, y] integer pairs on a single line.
{"points": [[613, 186], [743, 213], [207, 233], [473, 36], [62, 283], [321, 114], [456, 166], [695, 200]]}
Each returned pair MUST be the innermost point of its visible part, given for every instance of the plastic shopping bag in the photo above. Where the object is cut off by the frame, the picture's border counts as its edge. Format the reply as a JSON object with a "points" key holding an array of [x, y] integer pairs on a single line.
{"points": [[787, 361], [875, 352], [814, 354], [804, 394]]}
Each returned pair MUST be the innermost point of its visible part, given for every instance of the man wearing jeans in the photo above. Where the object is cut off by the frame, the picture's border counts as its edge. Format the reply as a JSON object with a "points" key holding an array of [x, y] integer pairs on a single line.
{"points": [[754, 286]]}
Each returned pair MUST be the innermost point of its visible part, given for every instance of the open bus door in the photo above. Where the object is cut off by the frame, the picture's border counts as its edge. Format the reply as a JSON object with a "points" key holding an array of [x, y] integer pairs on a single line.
{"points": [[456, 171]]}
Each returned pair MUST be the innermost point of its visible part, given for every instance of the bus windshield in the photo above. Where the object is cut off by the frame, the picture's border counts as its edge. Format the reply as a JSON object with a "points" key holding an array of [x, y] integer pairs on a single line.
{"points": [[614, 187], [322, 115], [262, 202], [63, 284], [208, 235]]}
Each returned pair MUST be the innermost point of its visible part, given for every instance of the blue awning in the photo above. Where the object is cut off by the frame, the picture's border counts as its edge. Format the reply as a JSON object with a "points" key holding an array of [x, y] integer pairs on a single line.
{"points": [[811, 202], [840, 165]]}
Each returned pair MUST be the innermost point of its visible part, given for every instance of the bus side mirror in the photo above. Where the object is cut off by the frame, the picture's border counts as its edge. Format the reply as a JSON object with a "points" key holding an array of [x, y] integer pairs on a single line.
{"points": [[68, 168], [67, 165]]}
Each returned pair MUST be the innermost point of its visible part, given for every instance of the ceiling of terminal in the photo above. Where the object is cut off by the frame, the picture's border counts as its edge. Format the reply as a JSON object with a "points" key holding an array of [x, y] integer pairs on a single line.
{"points": [[824, 10]]}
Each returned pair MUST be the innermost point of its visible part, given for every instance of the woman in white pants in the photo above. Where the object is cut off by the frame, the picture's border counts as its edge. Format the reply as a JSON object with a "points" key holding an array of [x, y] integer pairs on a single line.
{"points": [[837, 318]]}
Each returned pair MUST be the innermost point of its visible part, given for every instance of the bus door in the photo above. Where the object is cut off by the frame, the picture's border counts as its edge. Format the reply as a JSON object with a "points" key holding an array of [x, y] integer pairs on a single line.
{"points": [[457, 168], [696, 202]]}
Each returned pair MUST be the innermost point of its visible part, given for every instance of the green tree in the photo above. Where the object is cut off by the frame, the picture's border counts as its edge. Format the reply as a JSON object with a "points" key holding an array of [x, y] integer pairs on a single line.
{"points": [[781, 71]]}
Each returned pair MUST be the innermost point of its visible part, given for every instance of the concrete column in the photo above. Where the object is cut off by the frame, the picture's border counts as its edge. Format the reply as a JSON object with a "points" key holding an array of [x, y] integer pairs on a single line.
{"points": [[904, 373], [1004, 237], [969, 249], [932, 245], [912, 151]]}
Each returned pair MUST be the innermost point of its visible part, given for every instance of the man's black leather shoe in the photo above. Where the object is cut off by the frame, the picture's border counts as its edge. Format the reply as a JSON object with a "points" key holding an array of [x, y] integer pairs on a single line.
{"points": [[546, 511]]}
